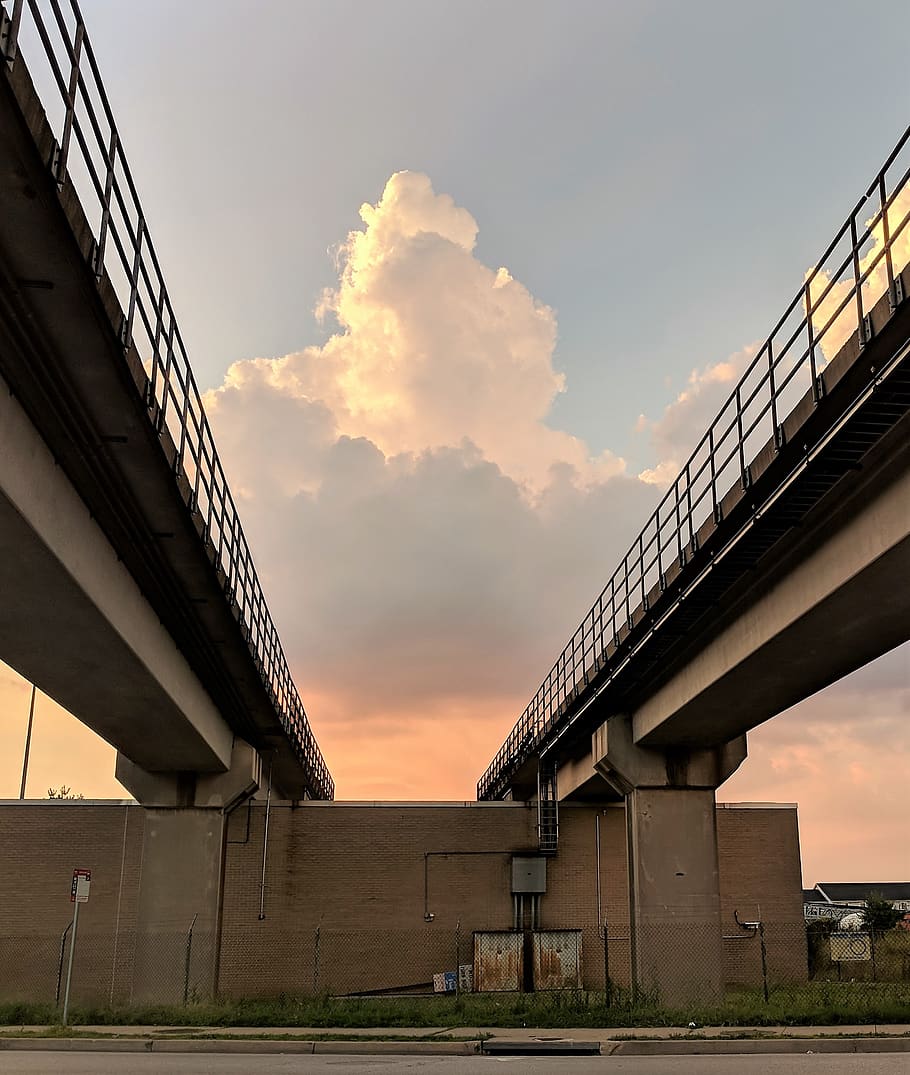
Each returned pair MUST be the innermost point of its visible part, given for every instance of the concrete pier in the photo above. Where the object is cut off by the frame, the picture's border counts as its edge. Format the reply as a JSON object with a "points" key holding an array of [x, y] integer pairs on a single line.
{"points": [[181, 880], [674, 891]]}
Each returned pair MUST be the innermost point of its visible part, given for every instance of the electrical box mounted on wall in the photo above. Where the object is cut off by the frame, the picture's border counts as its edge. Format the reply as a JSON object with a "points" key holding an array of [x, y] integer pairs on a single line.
{"points": [[529, 875]]}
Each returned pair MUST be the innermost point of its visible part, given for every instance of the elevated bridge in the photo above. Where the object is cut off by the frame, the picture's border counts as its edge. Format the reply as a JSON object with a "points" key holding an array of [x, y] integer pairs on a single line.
{"points": [[773, 565], [129, 590], [813, 436]]}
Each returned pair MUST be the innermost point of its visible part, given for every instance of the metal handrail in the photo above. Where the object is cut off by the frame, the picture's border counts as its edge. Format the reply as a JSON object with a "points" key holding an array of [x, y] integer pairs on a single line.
{"points": [[782, 370], [89, 143]]}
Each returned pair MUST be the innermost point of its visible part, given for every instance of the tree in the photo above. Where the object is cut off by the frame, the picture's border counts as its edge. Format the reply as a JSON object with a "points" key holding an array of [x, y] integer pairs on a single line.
{"points": [[880, 914], [63, 792]]}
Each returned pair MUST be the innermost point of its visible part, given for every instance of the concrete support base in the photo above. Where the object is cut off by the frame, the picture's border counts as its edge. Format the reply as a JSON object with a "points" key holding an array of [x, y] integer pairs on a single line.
{"points": [[181, 881], [179, 912], [674, 892]]}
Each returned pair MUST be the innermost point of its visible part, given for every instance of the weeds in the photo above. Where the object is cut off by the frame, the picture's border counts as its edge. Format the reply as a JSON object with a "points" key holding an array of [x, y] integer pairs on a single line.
{"points": [[820, 1003]]}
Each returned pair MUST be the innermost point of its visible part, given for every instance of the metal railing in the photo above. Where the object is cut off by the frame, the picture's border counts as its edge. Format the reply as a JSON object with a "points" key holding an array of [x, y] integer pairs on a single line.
{"points": [[89, 150], [860, 265]]}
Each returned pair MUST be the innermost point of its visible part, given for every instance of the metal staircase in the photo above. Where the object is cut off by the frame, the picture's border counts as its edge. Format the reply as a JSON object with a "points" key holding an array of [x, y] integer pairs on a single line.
{"points": [[547, 807]]}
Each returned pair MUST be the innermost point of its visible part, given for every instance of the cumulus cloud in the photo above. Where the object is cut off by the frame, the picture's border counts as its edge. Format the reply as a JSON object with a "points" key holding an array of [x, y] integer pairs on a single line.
{"points": [[433, 347], [428, 542]]}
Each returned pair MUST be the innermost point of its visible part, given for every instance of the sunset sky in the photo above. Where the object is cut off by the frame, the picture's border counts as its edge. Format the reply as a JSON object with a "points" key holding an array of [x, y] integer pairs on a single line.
{"points": [[464, 282]]}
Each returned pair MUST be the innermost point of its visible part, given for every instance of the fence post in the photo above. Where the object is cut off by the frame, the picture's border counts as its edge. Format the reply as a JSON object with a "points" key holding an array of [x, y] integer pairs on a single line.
{"points": [[608, 985], [764, 959], [186, 967], [316, 961], [69, 926], [457, 958]]}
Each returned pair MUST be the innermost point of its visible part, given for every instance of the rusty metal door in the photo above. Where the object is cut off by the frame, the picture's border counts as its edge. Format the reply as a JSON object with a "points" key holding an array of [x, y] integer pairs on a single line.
{"points": [[498, 961], [557, 958]]}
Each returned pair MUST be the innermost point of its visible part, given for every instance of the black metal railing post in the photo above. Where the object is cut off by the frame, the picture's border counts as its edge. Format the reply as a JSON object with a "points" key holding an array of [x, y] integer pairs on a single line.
{"points": [[70, 101], [857, 283], [9, 32]]}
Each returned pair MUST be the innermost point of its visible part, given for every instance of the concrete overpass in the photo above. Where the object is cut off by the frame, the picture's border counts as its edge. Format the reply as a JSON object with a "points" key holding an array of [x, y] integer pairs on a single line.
{"points": [[773, 566], [129, 590]]}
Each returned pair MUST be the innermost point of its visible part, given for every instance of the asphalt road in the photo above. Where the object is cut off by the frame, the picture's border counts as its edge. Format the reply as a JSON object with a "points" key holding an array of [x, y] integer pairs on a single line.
{"points": [[59, 1063]]}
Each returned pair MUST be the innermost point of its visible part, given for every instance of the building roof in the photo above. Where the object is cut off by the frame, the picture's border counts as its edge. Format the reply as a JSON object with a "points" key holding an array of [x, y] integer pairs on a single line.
{"points": [[857, 891]]}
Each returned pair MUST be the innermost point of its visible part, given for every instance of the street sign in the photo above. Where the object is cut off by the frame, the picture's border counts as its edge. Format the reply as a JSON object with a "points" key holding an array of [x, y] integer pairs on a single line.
{"points": [[82, 882]]}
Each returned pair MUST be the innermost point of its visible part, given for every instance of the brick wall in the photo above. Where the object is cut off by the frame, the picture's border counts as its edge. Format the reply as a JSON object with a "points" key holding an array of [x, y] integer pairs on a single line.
{"points": [[40, 846], [347, 887], [364, 875], [760, 878]]}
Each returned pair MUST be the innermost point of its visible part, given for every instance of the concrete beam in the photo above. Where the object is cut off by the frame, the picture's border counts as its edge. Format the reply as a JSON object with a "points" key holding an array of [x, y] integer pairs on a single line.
{"points": [[625, 765], [177, 790], [73, 620], [776, 646], [578, 781]]}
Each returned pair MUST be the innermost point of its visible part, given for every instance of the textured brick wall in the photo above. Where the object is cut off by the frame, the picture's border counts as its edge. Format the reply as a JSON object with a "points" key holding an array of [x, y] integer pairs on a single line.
{"points": [[760, 878], [357, 872], [40, 846], [345, 896]]}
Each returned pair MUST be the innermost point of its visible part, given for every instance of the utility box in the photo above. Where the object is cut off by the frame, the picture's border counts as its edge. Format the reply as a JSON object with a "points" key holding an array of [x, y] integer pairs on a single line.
{"points": [[529, 876], [498, 961], [557, 959]]}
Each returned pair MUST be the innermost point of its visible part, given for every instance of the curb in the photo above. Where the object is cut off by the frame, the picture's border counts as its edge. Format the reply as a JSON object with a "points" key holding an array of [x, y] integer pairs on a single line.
{"points": [[247, 1046], [756, 1046], [742, 1046]]}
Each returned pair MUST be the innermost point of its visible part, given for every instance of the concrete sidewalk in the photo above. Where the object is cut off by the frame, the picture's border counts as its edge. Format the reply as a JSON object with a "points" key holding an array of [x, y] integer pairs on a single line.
{"points": [[458, 1040]]}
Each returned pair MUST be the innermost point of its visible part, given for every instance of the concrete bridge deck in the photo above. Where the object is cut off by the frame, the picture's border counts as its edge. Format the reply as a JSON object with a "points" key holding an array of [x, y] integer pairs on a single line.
{"points": [[759, 580], [125, 505]]}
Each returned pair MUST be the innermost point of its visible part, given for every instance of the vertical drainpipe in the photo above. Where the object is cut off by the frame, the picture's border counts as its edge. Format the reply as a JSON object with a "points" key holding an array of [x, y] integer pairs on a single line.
{"points": [[597, 867], [633, 917], [265, 846]]}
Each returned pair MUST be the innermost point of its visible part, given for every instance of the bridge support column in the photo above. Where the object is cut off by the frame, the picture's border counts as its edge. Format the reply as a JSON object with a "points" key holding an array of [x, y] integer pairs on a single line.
{"points": [[181, 882], [674, 896]]}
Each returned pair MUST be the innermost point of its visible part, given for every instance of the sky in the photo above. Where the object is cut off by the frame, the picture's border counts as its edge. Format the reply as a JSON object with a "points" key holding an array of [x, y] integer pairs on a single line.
{"points": [[463, 283]]}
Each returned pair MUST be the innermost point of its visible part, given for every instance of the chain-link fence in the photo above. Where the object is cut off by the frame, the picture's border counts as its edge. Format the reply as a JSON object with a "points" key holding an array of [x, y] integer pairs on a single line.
{"points": [[109, 969], [772, 968]]}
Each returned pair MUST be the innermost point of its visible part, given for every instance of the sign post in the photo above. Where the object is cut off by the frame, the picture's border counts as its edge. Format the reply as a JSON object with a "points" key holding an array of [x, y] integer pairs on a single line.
{"points": [[82, 883]]}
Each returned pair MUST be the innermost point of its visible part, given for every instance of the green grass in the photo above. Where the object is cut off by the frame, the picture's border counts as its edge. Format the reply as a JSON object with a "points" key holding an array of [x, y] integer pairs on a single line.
{"points": [[821, 1003]]}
